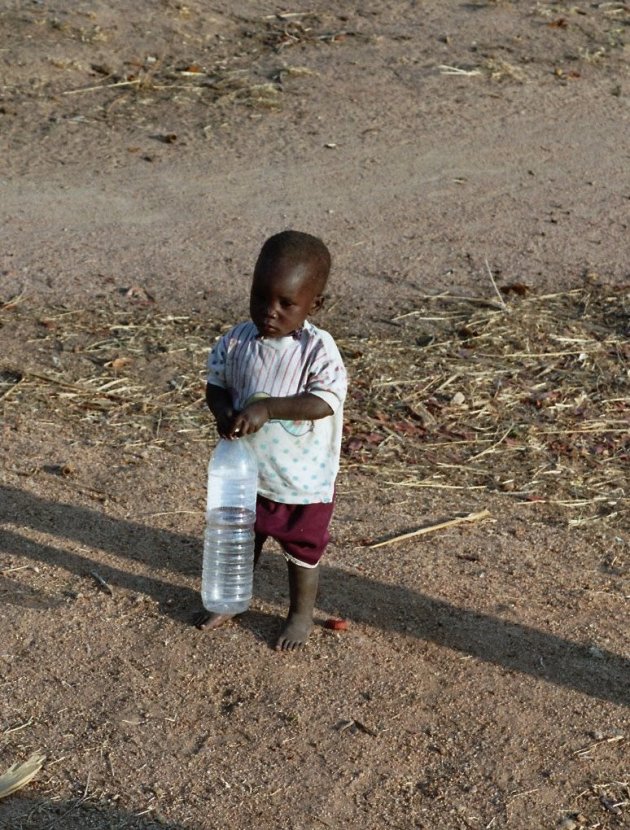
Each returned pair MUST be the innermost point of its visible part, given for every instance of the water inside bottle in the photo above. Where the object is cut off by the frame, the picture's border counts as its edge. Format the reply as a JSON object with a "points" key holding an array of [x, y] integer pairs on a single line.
{"points": [[228, 559], [230, 516]]}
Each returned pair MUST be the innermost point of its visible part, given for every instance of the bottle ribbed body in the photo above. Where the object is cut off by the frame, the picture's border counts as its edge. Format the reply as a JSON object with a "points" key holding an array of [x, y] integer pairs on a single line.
{"points": [[228, 550], [228, 560]]}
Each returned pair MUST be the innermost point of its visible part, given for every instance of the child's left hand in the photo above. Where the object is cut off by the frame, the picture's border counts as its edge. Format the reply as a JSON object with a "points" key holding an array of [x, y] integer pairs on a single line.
{"points": [[250, 419]]}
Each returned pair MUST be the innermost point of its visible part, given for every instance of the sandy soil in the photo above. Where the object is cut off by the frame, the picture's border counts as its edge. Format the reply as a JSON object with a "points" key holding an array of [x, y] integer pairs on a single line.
{"points": [[484, 680]]}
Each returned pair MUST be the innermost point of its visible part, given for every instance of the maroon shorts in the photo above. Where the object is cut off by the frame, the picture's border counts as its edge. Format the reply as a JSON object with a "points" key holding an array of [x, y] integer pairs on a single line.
{"points": [[301, 529]]}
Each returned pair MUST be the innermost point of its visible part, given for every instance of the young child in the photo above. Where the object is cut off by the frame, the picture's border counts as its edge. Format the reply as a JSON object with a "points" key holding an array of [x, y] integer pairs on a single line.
{"points": [[281, 381]]}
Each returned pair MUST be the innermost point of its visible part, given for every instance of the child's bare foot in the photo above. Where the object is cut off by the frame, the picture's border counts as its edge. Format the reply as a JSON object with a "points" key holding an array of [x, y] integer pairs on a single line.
{"points": [[207, 620], [295, 633], [303, 584]]}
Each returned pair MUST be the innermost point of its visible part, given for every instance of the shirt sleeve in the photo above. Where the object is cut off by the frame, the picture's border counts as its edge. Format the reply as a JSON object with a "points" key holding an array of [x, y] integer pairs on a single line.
{"points": [[327, 378], [216, 364]]}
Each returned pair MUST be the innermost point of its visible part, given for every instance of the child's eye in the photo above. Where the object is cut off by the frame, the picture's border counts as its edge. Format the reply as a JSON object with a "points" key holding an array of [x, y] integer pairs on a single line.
{"points": [[286, 303]]}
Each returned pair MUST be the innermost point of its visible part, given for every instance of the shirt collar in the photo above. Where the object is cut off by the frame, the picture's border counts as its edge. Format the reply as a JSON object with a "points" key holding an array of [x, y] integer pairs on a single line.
{"points": [[296, 334]]}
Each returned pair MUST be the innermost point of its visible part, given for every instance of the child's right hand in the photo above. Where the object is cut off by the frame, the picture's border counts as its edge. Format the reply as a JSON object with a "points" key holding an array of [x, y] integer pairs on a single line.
{"points": [[224, 423], [219, 402]]}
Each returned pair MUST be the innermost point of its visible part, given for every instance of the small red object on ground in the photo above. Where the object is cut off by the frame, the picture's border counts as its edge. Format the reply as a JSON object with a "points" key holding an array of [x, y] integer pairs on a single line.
{"points": [[336, 625]]}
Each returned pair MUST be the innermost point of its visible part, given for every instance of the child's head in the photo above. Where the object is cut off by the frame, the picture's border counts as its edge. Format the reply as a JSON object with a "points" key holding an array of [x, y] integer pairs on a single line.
{"points": [[289, 279]]}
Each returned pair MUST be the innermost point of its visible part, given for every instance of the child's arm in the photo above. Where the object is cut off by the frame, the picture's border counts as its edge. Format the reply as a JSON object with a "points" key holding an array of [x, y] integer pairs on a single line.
{"points": [[305, 407], [219, 402]]}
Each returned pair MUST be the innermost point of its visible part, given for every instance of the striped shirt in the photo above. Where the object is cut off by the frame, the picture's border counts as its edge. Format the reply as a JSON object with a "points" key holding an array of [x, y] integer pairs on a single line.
{"points": [[298, 461]]}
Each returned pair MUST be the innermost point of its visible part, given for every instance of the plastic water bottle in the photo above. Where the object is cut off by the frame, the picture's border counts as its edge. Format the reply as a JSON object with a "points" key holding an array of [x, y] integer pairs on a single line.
{"points": [[228, 546]]}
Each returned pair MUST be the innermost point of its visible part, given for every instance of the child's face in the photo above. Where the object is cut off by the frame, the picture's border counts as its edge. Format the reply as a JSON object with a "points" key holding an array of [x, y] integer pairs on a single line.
{"points": [[283, 294]]}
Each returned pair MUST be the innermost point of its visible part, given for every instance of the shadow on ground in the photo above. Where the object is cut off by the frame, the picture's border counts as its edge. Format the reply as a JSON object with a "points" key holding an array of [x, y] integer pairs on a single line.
{"points": [[21, 813], [391, 607]]}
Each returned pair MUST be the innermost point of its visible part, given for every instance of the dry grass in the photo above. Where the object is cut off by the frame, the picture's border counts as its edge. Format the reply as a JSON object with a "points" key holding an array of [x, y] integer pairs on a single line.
{"points": [[532, 401], [20, 774], [499, 69], [529, 398], [102, 72]]}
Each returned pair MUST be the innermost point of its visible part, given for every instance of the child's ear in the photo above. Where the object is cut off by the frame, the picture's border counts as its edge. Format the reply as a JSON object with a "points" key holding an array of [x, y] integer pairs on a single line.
{"points": [[318, 302]]}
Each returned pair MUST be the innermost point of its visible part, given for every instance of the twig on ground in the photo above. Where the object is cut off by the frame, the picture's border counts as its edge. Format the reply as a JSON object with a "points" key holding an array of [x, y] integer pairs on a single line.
{"points": [[421, 531], [502, 302], [134, 82], [445, 69], [104, 585]]}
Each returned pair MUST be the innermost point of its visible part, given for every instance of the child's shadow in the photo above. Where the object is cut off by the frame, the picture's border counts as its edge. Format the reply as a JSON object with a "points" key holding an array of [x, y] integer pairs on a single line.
{"points": [[387, 606]]}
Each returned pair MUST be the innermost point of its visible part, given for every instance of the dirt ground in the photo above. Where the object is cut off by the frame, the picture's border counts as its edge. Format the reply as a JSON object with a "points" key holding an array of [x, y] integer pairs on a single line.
{"points": [[467, 163]]}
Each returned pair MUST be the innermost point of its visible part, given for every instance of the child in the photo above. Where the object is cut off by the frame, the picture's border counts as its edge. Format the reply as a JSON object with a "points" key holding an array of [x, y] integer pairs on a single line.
{"points": [[281, 381]]}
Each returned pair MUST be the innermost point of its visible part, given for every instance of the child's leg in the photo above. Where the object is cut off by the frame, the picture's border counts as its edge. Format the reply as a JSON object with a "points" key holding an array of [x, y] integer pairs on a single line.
{"points": [[260, 539], [208, 620], [303, 583]]}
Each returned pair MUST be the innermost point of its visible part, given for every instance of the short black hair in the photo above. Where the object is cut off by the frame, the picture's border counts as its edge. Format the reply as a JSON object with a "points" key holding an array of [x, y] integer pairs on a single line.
{"points": [[298, 247]]}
